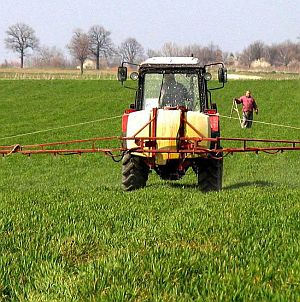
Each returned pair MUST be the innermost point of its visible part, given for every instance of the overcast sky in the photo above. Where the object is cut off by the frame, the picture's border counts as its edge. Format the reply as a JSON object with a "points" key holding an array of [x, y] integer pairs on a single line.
{"points": [[231, 24]]}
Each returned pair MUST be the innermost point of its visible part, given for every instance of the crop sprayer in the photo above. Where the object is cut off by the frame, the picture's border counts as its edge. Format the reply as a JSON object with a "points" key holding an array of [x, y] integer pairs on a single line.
{"points": [[172, 126]]}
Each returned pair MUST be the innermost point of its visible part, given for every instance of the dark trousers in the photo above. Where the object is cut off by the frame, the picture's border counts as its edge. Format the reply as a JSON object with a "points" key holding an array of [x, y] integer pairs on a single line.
{"points": [[247, 119]]}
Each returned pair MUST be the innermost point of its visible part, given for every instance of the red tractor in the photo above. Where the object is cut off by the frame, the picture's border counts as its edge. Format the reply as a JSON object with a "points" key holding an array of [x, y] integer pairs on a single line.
{"points": [[172, 116]]}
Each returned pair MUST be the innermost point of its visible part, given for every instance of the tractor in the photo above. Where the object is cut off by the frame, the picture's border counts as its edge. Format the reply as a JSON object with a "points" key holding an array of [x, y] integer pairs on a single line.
{"points": [[172, 115]]}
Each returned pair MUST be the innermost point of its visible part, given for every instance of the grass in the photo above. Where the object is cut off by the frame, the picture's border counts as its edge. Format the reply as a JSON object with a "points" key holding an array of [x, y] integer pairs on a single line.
{"points": [[68, 232], [268, 74], [56, 74]]}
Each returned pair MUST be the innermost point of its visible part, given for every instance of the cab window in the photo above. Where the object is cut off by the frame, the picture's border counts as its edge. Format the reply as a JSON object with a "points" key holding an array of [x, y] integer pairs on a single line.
{"points": [[171, 90]]}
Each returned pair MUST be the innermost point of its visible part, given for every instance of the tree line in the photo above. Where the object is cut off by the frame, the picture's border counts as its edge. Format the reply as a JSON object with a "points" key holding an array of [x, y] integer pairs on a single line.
{"points": [[96, 44]]}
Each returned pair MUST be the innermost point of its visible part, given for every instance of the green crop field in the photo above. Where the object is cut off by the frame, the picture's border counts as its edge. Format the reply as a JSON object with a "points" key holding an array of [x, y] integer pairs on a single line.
{"points": [[69, 233]]}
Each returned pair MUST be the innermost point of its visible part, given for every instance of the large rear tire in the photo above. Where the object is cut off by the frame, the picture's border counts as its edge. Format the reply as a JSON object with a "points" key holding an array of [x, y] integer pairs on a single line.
{"points": [[134, 172], [210, 173]]}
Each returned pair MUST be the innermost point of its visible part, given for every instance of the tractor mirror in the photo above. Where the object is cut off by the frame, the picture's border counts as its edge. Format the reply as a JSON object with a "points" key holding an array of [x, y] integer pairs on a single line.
{"points": [[222, 75], [122, 74]]}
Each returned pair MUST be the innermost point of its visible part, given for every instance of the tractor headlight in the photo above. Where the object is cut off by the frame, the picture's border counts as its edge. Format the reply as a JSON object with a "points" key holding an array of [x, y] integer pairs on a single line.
{"points": [[134, 76], [207, 76]]}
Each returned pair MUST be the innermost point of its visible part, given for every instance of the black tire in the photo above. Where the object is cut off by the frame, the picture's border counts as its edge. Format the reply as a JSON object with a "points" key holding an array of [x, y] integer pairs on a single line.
{"points": [[210, 173], [134, 172]]}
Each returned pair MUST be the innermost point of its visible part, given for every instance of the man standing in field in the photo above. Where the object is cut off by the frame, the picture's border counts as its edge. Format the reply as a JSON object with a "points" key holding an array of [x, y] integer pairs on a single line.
{"points": [[249, 105]]}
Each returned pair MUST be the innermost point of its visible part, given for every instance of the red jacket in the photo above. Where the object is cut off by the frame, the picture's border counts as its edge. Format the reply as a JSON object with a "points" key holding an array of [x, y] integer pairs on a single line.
{"points": [[248, 103]]}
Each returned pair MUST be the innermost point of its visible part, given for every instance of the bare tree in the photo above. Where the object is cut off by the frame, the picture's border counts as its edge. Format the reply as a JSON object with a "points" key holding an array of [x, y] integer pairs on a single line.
{"points": [[131, 50], [271, 54], [20, 38], [254, 51], [48, 57], [100, 43], [210, 54], [153, 53], [245, 58], [79, 47], [192, 50], [287, 52], [171, 49], [207, 54], [257, 50]]}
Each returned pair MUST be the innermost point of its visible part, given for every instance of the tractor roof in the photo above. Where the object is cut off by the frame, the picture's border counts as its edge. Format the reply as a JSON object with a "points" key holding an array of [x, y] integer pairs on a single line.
{"points": [[171, 61]]}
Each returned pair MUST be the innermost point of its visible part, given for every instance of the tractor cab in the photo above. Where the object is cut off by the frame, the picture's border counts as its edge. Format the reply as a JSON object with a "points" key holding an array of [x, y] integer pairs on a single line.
{"points": [[173, 82], [170, 89]]}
